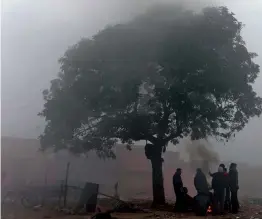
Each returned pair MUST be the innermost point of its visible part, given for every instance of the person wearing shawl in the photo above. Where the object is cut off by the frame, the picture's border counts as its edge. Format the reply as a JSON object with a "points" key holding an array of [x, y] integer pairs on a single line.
{"points": [[200, 182], [233, 185]]}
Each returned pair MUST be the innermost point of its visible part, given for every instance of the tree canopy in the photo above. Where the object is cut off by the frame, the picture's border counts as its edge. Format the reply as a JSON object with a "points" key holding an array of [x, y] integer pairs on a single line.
{"points": [[163, 76]]}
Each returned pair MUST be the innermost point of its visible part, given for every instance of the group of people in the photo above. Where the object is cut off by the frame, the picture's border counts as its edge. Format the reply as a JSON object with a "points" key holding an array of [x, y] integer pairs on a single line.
{"points": [[224, 197]]}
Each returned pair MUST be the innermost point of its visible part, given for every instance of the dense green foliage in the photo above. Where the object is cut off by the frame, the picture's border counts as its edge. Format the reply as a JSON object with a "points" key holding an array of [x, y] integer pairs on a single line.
{"points": [[165, 75]]}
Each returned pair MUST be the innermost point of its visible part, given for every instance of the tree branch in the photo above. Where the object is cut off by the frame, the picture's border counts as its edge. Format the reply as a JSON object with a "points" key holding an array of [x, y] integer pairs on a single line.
{"points": [[178, 132], [151, 138], [174, 135], [163, 124]]}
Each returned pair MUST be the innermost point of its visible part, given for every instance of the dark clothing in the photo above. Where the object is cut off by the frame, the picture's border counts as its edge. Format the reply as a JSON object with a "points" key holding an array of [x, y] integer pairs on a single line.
{"points": [[180, 196], [227, 205], [233, 184], [178, 185], [218, 202], [189, 203], [227, 197], [180, 201], [219, 181], [233, 179], [202, 198], [234, 202], [202, 204], [177, 181], [200, 183], [219, 184], [227, 189]]}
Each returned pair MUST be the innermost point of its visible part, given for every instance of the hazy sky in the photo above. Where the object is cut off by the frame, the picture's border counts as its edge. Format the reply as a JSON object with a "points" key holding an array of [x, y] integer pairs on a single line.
{"points": [[35, 33]]}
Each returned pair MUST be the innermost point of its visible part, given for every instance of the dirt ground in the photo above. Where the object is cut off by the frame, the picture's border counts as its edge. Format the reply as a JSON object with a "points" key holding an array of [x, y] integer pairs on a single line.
{"points": [[19, 212]]}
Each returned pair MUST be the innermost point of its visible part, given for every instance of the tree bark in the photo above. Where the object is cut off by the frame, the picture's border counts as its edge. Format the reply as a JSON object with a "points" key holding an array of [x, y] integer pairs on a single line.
{"points": [[158, 180]]}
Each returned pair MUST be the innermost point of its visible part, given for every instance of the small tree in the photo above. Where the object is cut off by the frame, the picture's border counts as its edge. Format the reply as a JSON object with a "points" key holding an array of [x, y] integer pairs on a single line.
{"points": [[166, 75]]}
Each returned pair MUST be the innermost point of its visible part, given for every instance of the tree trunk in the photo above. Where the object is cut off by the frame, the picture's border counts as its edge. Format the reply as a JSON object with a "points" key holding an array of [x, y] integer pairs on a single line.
{"points": [[158, 181]]}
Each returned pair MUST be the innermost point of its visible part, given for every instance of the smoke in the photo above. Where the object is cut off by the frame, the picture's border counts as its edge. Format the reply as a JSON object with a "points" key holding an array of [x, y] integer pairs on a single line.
{"points": [[201, 155], [189, 4], [130, 9]]}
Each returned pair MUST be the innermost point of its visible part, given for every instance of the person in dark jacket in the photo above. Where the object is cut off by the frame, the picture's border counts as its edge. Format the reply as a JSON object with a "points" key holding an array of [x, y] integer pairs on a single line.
{"points": [[227, 190], [179, 191], [220, 165], [219, 185], [233, 184], [189, 201]]}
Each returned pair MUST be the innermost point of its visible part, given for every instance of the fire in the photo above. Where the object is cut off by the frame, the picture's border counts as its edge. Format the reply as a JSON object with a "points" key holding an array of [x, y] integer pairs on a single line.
{"points": [[209, 210]]}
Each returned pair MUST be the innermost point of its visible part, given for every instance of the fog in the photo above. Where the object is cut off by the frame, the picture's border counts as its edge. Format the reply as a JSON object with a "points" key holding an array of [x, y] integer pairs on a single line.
{"points": [[36, 33]]}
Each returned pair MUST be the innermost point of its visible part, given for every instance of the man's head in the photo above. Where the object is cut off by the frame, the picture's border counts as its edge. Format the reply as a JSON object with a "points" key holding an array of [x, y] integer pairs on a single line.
{"points": [[179, 170], [220, 169], [223, 166]]}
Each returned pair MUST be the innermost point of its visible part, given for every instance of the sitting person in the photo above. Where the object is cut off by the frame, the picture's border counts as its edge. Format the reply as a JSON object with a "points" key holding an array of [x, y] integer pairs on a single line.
{"points": [[189, 201]]}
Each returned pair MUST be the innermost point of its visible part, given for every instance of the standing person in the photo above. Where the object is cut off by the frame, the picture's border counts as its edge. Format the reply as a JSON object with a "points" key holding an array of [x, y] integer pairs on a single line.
{"points": [[227, 190], [200, 182], [220, 165], [219, 185], [203, 197], [178, 188], [227, 197], [233, 184]]}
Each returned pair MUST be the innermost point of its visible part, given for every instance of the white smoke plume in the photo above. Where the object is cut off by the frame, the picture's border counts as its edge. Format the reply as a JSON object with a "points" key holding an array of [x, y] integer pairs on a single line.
{"points": [[201, 154]]}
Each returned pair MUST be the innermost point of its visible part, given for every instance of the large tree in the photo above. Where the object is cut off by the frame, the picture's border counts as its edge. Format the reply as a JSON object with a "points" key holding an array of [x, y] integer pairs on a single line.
{"points": [[166, 75]]}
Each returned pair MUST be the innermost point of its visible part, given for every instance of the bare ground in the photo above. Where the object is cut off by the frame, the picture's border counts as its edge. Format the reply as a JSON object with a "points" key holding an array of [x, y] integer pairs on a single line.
{"points": [[19, 212]]}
